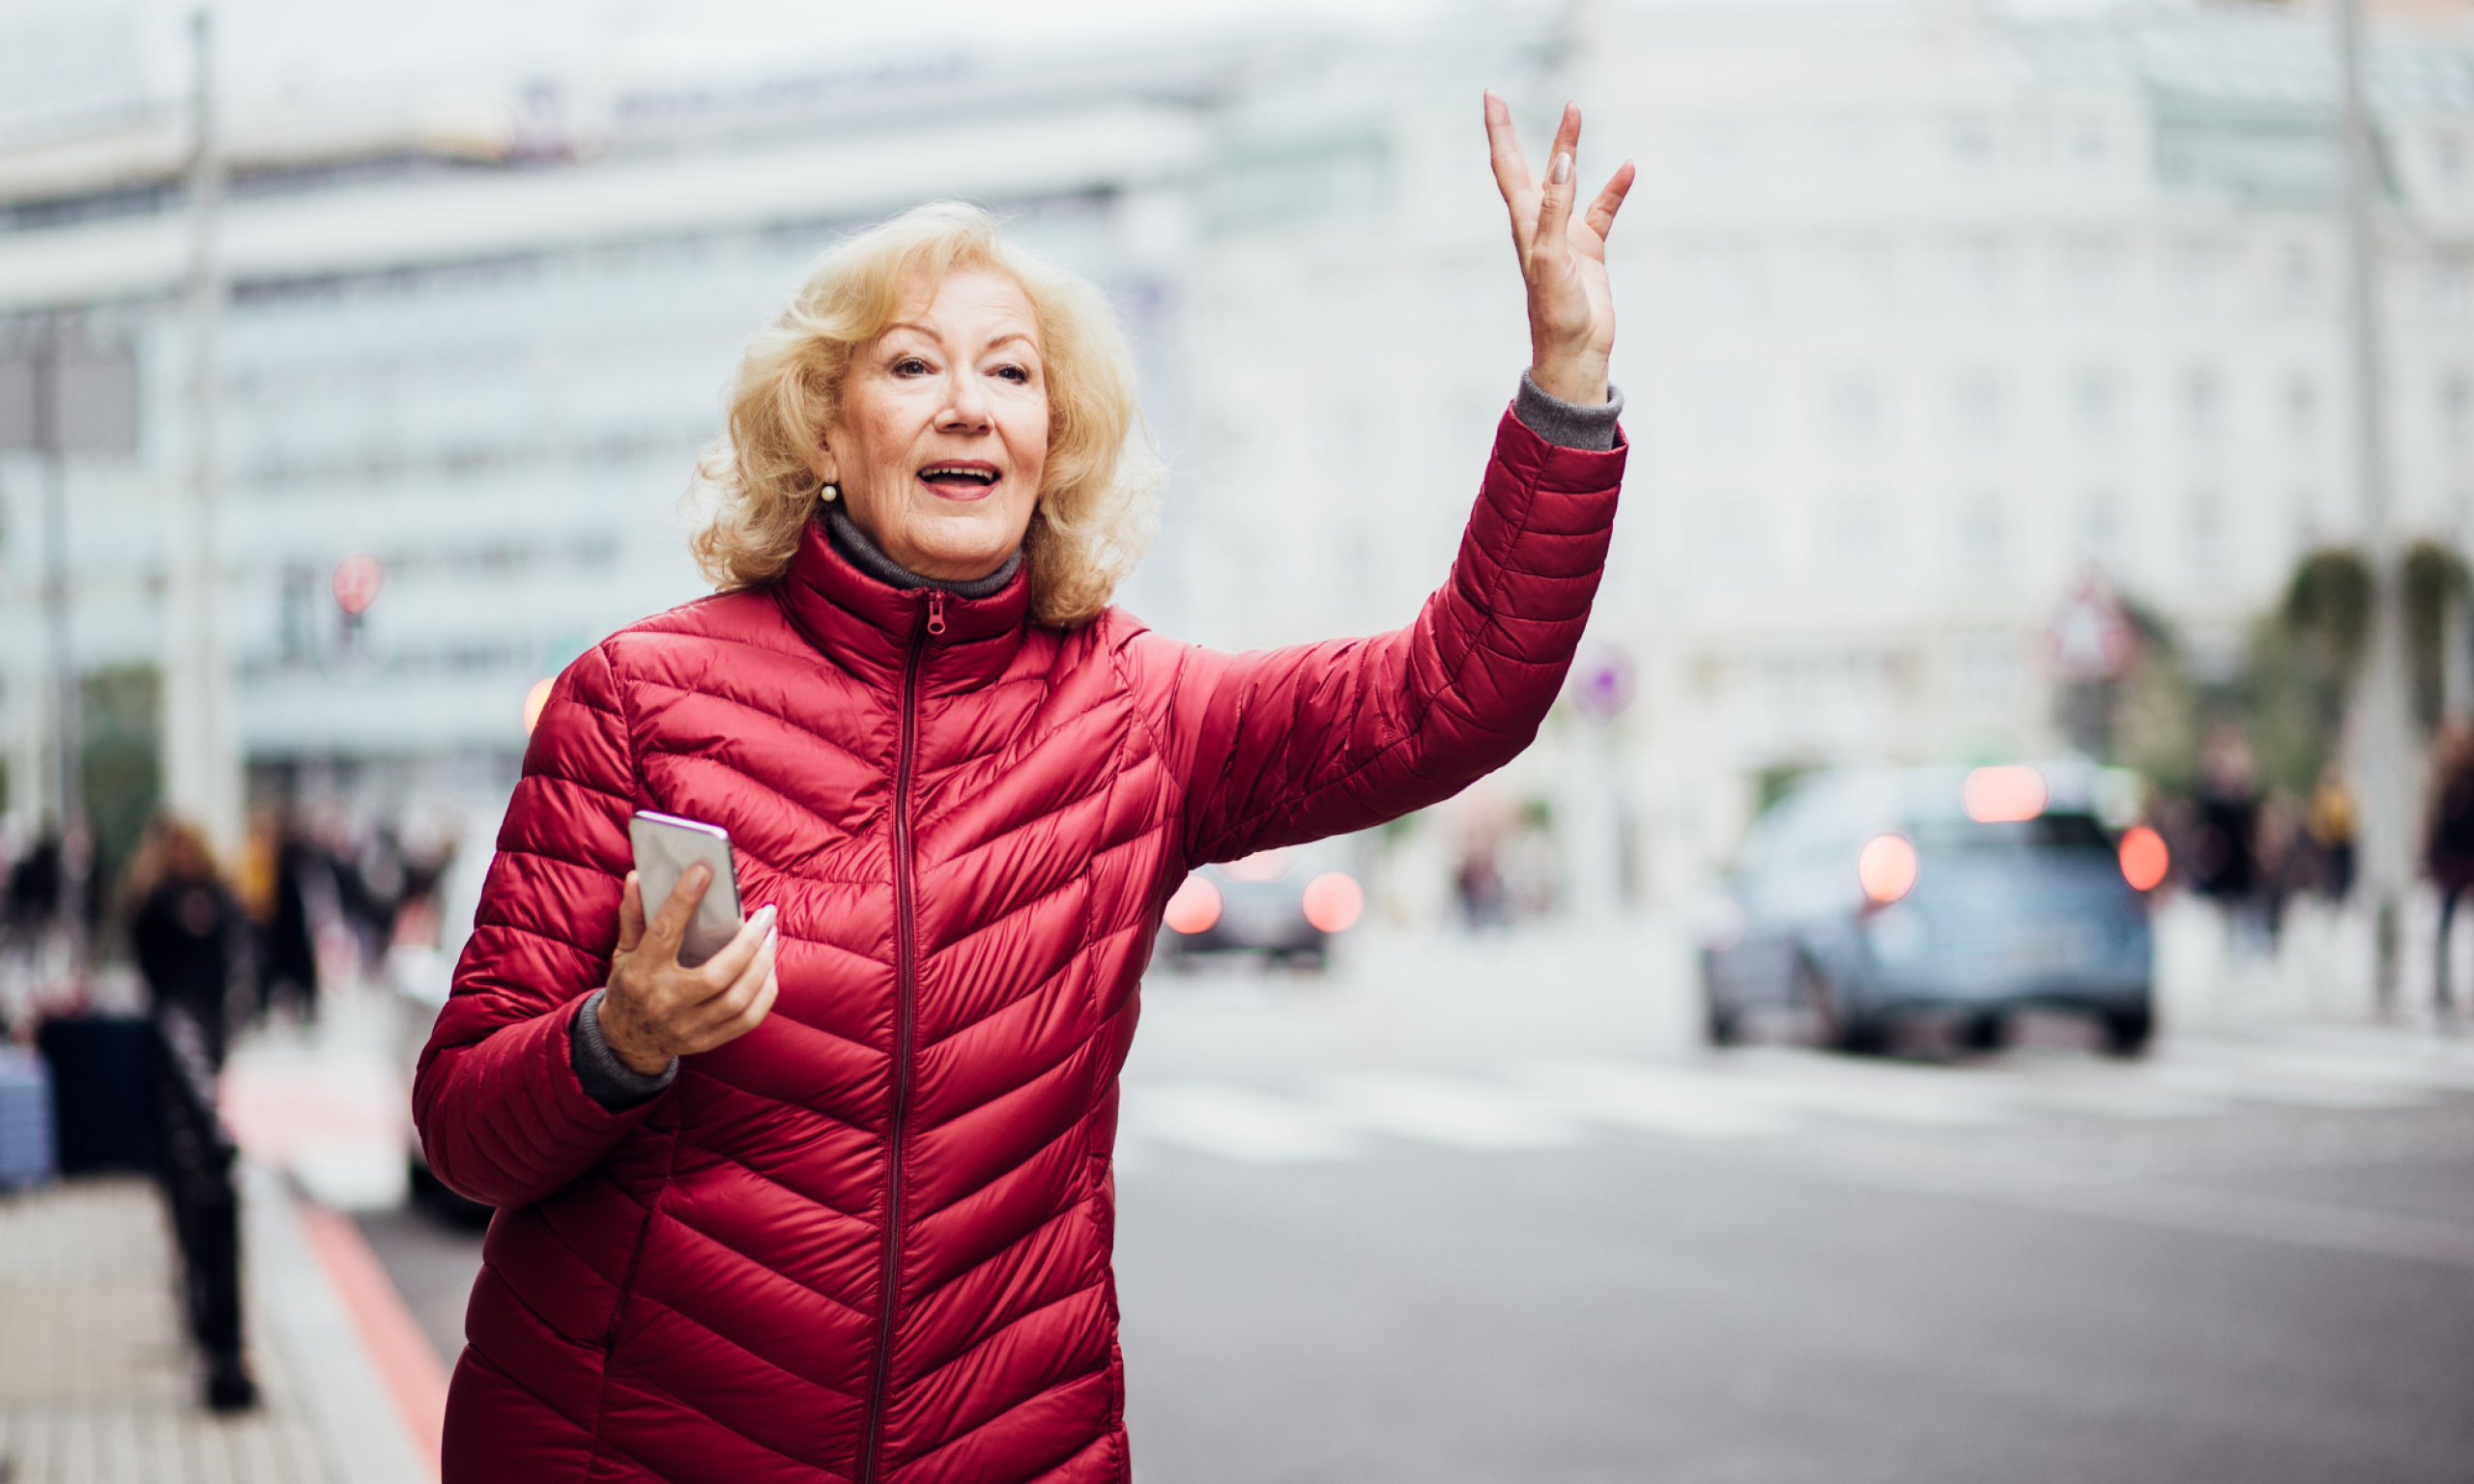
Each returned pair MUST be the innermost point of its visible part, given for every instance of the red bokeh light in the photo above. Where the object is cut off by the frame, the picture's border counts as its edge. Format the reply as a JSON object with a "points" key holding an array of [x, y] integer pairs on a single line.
{"points": [[358, 579], [1194, 907], [2004, 795], [2145, 858], [1888, 867], [1334, 901]]}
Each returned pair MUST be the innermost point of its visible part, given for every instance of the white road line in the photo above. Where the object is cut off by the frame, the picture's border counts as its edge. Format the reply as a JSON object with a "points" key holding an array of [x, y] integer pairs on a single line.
{"points": [[1448, 1111], [1806, 1083], [1234, 1123], [1659, 1100]]}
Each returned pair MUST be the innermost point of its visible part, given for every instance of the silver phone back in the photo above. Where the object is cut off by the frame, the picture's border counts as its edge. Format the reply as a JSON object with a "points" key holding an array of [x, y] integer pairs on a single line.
{"points": [[666, 845]]}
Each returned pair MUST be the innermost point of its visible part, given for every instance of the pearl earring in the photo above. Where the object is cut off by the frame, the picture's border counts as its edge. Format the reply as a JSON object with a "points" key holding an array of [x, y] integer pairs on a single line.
{"points": [[832, 491]]}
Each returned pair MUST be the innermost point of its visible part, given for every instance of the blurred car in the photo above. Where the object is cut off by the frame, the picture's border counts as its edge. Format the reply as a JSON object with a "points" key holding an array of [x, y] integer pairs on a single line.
{"points": [[418, 981], [1864, 896], [1286, 904]]}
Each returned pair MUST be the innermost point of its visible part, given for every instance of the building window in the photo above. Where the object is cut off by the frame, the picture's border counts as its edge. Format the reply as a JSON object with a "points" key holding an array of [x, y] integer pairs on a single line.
{"points": [[1972, 142], [2297, 277], [2088, 145], [1979, 409], [1976, 277], [2096, 406], [2202, 404], [1854, 411], [2302, 410], [2100, 529], [2204, 276], [2089, 275], [2207, 535], [1859, 532], [1852, 281], [1984, 536]]}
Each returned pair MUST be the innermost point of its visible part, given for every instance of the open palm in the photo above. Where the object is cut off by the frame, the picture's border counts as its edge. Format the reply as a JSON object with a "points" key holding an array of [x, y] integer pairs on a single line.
{"points": [[1563, 256]]}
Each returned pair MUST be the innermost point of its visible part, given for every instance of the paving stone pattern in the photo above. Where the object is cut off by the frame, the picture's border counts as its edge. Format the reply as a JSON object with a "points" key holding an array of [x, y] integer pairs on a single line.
{"points": [[97, 1385]]}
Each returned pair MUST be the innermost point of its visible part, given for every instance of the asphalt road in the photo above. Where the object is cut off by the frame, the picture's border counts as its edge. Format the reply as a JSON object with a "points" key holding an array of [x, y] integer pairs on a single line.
{"points": [[1383, 1230]]}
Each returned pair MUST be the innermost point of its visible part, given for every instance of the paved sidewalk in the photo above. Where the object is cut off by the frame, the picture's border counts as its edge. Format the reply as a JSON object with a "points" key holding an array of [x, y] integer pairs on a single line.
{"points": [[97, 1383]]}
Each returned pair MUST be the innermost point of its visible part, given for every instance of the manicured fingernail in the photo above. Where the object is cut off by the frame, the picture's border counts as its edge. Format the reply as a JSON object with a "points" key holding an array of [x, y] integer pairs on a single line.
{"points": [[769, 936], [1563, 170]]}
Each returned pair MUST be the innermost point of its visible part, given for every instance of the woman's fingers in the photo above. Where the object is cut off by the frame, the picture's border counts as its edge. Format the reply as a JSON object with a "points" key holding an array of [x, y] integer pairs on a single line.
{"points": [[1549, 240], [739, 1007], [1602, 211], [724, 968], [1512, 171], [631, 914], [670, 925]]}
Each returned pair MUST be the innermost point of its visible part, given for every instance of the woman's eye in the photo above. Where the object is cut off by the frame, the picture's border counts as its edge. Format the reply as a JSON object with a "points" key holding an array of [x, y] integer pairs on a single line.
{"points": [[1018, 375], [910, 365]]}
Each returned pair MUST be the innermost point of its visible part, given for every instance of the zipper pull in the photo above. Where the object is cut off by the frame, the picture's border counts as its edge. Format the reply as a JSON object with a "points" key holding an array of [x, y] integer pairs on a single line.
{"points": [[935, 610]]}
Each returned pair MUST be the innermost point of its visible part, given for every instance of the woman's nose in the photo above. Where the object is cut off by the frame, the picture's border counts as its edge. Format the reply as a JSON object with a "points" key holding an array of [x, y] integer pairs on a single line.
{"points": [[966, 405]]}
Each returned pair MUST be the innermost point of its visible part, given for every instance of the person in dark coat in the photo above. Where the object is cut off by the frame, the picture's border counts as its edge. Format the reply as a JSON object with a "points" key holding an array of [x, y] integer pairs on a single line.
{"points": [[188, 933], [192, 941], [2448, 850]]}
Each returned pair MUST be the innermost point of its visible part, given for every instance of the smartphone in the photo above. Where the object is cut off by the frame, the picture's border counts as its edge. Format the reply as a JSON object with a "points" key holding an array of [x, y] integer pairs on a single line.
{"points": [[666, 845]]}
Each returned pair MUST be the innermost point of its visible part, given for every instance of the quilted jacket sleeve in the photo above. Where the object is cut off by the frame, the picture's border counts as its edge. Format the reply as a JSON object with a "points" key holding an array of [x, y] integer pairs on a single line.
{"points": [[503, 1117], [1289, 745]]}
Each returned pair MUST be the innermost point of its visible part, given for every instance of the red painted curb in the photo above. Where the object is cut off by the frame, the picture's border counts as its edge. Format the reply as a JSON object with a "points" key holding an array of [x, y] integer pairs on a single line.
{"points": [[410, 1365]]}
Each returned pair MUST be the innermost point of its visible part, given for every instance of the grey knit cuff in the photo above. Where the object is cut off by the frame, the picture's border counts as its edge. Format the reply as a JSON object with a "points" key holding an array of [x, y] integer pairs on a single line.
{"points": [[1567, 424], [608, 1080]]}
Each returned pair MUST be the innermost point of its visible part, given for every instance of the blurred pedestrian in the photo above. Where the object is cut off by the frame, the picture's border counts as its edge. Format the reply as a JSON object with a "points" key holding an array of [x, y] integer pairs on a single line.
{"points": [[188, 933], [287, 950], [869, 1237], [191, 938], [2448, 847], [2225, 861], [2329, 826]]}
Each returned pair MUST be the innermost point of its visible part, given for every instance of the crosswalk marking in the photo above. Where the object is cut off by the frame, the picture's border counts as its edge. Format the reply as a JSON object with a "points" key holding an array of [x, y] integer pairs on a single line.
{"points": [[1234, 1123], [1659, 1101], [1449, 1111], [1766, 1093]]}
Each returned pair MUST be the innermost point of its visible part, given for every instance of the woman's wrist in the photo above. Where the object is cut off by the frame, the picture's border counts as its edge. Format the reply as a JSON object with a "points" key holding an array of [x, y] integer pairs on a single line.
{"points": [[621, 1034], [1575, 379]]}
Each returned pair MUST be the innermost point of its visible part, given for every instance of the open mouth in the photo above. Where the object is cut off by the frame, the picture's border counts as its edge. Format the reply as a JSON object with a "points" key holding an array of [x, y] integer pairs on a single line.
{"points": [[964, 480]]}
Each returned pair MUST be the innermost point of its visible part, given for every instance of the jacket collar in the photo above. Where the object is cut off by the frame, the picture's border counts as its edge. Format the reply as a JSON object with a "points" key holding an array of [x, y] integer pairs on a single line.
{"points": [[867, 626]]}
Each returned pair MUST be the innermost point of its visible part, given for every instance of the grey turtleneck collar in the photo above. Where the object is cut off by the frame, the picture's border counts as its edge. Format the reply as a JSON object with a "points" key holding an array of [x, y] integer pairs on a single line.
{"points": [[861, 551]]}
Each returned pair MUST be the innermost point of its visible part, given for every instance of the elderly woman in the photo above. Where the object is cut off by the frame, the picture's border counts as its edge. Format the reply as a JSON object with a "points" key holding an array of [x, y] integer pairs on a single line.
{"points": [[836, 1204]]}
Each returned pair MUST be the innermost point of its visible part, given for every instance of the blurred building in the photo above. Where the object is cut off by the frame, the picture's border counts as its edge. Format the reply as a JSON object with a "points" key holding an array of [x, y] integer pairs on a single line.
{"points": [[1929, 315]]}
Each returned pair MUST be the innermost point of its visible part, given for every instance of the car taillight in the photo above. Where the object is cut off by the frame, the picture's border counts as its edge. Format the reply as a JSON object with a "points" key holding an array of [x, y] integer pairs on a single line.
{"points": [[1334, 901], [2145, 858], [1194, 907], [2004, 795], [1886, 868]]}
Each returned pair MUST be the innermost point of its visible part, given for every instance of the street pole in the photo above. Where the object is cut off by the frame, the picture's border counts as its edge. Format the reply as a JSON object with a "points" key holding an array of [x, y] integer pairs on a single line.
{"points": [[202, 764], [76, 838], [2383, 770]]}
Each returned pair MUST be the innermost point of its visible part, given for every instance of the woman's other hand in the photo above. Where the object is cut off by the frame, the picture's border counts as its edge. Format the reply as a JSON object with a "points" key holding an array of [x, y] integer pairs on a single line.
{"points": [[1563, 257], [655, 1008]]}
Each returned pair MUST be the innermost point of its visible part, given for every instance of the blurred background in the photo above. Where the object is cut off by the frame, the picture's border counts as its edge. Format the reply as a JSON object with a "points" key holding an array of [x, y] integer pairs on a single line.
{"points": [[2080, 385]]}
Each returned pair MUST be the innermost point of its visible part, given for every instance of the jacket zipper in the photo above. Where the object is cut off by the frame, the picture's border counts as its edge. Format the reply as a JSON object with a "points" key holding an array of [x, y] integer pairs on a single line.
{"points": [[905, 1011]]}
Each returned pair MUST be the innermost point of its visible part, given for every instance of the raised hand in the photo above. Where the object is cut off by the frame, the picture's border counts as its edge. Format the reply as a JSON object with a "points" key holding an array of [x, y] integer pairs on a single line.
{"points": [[1562, 258], [655, 1008]]}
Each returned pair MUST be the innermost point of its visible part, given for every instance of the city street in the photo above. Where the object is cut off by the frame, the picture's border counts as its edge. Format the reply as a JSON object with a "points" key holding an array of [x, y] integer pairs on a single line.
{"points": [[1479, 1211]]}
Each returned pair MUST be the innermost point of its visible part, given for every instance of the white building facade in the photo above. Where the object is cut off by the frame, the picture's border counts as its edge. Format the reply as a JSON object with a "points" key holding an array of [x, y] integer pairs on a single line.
{"points": [[1927, 315]]}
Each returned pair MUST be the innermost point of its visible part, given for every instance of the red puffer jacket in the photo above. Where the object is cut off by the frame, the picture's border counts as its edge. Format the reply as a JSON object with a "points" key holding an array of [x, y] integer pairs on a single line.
{"points": [[870, 1241]]}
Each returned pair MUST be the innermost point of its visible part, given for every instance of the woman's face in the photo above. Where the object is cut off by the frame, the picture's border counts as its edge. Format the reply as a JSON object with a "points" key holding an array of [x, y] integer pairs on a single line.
{"points": [[943, 432]]}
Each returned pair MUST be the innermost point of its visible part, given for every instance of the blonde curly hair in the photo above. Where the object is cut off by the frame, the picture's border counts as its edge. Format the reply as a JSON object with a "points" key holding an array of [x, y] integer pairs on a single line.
{"points": [[1097, 512]]}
